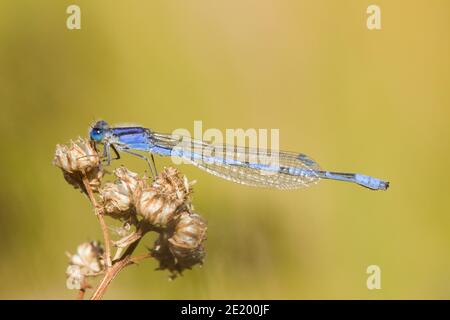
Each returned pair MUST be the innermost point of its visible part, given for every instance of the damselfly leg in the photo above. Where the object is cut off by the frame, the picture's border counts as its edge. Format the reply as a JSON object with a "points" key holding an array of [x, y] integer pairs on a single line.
{"points": [[151, 163]]}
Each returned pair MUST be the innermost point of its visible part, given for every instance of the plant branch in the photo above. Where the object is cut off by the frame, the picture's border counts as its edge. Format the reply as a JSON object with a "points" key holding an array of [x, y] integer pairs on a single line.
{"points": [[124, 261], [101, 219], [112, 272], [84, 285]]}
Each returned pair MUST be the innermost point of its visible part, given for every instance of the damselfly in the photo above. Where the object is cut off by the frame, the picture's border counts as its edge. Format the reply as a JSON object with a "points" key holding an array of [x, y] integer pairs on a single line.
{"points": [[249, 166]]}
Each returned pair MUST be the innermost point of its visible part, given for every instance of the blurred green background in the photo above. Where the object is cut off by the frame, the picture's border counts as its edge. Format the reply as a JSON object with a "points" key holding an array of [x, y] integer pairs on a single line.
{"points": [[374, 102]]}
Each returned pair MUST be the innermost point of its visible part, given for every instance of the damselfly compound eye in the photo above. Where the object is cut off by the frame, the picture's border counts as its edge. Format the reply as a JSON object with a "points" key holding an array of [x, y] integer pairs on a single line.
{"points": [[96, 134], [98, 131]]}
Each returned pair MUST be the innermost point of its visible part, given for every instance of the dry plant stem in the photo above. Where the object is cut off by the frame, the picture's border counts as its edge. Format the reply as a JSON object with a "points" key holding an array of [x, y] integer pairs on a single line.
{"points": [[101, 219], [82, 291], [124, 261], [112, 272]]}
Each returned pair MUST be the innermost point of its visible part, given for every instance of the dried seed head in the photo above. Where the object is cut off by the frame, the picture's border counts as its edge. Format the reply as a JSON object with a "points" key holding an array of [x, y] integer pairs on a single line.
{"points": [[116, 200], [128, 179], [77, 159], [74, 277], [160, 203], [170, 182], [156, 208], [89, 258], [118, 197], [190, 232], [88, 261], [78, 156], [180, 247]]}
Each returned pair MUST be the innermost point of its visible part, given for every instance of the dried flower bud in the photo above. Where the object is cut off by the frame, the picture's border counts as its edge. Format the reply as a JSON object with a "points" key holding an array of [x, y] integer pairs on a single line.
{"points": [[116, 200], [160, 203], [89, 258], [118, 197], [180, 247], [88, 261], [127, 179], [79, 156], [156, 208], [170, 182], [190, 232], [77, 159], [74, 277]]}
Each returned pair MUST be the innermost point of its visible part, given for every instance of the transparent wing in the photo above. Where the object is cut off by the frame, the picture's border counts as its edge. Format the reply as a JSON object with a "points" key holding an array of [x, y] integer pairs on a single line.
{"points": [[253, 167]]}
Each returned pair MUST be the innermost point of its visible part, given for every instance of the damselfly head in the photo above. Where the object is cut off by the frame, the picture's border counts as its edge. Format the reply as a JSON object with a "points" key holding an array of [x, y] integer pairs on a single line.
{"points": [[97, 132]]}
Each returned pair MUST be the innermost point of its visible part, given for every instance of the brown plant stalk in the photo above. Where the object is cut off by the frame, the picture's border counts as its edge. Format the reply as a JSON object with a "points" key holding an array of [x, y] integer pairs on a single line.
{"points": [[101, 220], [112, 272]]}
